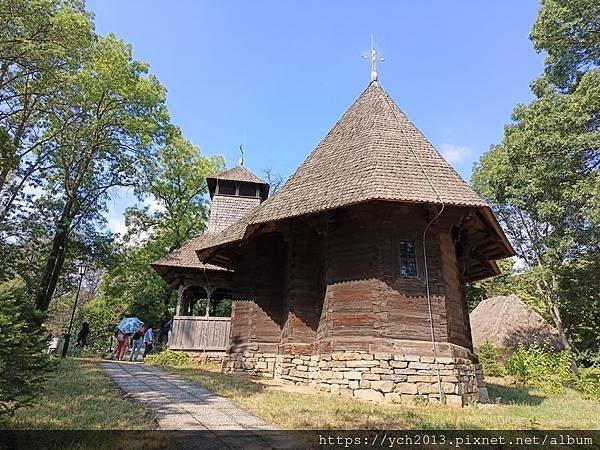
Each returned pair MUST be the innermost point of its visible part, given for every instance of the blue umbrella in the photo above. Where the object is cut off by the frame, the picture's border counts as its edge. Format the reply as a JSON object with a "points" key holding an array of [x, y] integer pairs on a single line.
{"points": [[130, 325]]}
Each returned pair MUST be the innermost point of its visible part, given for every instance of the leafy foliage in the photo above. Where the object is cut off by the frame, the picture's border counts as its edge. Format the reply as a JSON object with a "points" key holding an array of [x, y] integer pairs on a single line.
{"points": [[24, 363], [589, 382], [104, 130], [488, 357], [79, 118], [580, 306], [41, 41], [541, 368], [177, 189], [543, 179], [569, 31], [171, 358]]}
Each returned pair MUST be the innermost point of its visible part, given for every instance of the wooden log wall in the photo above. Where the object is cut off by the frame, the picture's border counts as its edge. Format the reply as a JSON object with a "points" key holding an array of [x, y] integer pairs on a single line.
{"points": [[368, 305], [304, 288], [332, 283], [456, 308], [259, 282]]}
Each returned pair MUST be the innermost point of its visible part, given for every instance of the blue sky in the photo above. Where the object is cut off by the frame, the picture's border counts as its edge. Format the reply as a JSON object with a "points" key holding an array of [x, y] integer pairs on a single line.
{"points": [[277, 75]]}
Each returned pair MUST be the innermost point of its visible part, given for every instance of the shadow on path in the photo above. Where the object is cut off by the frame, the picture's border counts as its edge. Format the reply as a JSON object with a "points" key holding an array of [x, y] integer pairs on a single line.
{"points": [[180, 404]]}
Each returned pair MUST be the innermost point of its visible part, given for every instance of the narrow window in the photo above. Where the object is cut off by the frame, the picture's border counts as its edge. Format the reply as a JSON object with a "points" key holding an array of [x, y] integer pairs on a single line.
{"points": [[408, 259], [227, 188], [247, 190]]}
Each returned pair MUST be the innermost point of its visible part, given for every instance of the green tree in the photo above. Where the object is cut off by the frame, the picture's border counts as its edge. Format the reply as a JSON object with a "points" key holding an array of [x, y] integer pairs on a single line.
{"points": [[41, 41], [24, 364], [177, 189], [111, 115], [569, 31], [578, 290], [543, 180]]}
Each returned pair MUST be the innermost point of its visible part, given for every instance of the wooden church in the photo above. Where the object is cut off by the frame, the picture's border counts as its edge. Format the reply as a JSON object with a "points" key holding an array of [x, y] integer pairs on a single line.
{"points": [[351, 277]]}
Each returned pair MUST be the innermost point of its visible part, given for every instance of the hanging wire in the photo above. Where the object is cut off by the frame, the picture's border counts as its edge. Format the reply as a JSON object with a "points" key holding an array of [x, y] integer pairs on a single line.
{"points": [[431, 327]]}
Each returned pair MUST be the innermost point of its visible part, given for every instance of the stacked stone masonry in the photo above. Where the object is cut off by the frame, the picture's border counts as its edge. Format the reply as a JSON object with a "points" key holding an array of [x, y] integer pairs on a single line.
{"points": [[380, 377]]}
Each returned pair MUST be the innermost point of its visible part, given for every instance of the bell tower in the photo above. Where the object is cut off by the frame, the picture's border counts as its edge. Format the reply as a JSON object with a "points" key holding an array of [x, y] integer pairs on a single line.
{"points": [[234, 193]]}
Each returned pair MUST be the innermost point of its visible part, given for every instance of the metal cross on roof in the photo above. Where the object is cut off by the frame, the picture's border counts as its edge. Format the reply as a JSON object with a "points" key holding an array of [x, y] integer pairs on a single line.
{"points": [[241, 160], [374, 57]]}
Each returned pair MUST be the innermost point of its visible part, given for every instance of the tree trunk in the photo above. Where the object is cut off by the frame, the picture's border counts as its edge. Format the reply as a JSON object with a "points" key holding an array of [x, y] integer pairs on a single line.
{"points": [[56, 258], [548, 293], [54, 265]]}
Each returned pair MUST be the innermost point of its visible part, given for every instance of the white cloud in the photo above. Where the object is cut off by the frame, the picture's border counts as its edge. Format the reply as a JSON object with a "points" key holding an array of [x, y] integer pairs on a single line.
{"points": [[455, 154], [154, 205], [117, 226]]}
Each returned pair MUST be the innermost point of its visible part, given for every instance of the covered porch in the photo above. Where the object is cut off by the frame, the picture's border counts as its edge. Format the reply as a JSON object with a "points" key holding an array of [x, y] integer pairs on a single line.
{"points": [[202, 320]]}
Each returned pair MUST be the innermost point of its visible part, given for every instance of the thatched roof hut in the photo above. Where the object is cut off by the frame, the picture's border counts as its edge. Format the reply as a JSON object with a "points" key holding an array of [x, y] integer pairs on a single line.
{"points": [[506, 321]]}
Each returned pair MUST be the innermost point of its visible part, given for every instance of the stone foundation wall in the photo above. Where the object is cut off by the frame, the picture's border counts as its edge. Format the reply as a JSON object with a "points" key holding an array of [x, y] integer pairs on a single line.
{"points": [[381, 377], [261, 364]]}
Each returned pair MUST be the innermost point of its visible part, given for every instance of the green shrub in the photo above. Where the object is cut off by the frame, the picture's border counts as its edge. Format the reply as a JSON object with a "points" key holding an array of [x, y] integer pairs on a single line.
{"points": [[103, 314], [488, 357], [541, 367], [172, 359], [589, 382], [24, 361]]}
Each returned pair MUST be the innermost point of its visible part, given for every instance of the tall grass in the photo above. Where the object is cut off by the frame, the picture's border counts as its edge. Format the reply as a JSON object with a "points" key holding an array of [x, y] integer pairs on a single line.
{"points": [[80, 396]]}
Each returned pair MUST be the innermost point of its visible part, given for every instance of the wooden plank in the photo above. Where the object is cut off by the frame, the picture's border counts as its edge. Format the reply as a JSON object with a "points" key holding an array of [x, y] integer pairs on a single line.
{"points": [[200, 333]]}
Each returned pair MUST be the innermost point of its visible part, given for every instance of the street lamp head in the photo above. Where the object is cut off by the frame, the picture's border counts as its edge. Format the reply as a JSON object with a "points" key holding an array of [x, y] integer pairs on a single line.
{"points": [[82, 270]]}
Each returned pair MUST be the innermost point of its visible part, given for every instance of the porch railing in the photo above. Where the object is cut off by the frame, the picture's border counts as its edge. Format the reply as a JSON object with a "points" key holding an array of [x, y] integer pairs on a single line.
{"points": [[196, 333]]}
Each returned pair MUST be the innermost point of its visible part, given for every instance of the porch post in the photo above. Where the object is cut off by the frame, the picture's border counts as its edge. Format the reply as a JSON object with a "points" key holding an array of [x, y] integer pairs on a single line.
{"points": [[180, 292], [209, 292]]}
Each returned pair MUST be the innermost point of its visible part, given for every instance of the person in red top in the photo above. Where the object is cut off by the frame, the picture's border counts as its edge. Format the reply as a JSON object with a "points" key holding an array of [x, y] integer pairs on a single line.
{"points": [[122, 345]]}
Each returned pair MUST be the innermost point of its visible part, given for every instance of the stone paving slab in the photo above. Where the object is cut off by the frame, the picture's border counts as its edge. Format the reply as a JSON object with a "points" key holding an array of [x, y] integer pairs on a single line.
{"points": [[180, 404]]}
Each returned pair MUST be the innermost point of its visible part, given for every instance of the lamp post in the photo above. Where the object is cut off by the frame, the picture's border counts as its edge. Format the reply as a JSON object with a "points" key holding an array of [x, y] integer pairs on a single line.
{"points": [[68, 336]]}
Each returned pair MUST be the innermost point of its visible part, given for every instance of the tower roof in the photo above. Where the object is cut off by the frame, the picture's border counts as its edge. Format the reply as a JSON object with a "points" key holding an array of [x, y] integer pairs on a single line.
{"points": [[374, 152], [240, 174]]}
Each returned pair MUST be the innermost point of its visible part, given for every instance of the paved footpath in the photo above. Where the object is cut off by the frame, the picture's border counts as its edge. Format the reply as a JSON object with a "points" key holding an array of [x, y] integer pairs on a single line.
{"points": [[181, 404]]}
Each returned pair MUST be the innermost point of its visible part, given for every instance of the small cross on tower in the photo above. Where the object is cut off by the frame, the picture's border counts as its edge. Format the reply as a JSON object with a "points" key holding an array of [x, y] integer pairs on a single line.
{"points": [[241, 160], [374, 57]]}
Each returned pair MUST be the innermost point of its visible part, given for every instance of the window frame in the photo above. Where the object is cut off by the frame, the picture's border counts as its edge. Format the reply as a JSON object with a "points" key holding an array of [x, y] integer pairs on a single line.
{"points": [[415, 245], [242, 186], [227, 184]]}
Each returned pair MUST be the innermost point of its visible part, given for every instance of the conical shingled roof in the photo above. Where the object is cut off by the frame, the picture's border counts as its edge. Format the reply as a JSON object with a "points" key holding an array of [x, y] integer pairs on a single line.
{"points": [[369, 155], [373, 152]]}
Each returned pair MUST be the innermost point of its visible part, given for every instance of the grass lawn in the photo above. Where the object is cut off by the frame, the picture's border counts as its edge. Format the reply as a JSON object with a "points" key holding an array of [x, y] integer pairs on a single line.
{"points": [[518, 408], [79, 395]]}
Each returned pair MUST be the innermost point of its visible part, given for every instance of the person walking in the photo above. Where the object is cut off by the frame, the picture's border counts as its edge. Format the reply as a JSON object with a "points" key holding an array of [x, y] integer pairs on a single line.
{"points": [[137, 341], [82, 335], [148, 340], [122, 344]]}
